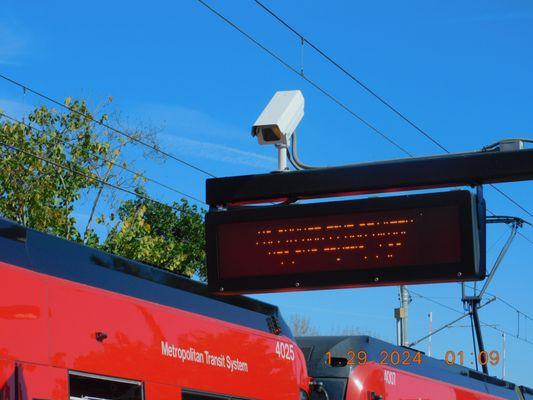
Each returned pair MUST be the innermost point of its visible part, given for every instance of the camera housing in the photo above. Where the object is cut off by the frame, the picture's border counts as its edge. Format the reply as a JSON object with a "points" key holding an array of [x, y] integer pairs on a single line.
{"points": [[280, 118]]}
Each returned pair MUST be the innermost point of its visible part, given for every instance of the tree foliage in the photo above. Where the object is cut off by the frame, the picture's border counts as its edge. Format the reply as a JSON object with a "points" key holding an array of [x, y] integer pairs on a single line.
{"points": [[37, 193], [301, 326], [170, 238], [54, 166]]}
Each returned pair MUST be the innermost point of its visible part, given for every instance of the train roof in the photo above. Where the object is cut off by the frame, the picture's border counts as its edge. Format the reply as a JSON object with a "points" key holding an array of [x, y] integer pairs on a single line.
{"points": [[527, 393], [47, 254], [315, 348]]}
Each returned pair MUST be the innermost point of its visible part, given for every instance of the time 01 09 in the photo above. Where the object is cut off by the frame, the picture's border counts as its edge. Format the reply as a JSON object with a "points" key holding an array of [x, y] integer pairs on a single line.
{"points": [[483, 357]]}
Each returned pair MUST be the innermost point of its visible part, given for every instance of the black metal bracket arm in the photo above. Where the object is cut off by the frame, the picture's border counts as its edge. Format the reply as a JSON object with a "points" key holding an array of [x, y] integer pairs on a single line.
{"points": [[474, 301], [464, 169], [506, 219]]}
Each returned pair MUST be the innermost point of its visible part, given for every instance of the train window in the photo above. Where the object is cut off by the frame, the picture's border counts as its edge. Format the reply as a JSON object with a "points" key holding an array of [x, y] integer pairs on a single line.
{"points": [[84, 386]]}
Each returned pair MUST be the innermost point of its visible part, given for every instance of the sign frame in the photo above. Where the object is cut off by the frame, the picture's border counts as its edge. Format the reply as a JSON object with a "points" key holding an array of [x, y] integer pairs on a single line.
{"points": [[472, 232], [449, 170]]}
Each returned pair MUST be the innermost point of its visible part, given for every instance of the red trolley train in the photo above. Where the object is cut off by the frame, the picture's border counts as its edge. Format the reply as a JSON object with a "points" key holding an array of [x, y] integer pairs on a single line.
{"points": [[335, 361], [82, 324]]}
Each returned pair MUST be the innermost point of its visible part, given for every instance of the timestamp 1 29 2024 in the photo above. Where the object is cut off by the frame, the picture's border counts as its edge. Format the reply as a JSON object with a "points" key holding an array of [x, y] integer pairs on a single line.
{"points": [[393, 358]]}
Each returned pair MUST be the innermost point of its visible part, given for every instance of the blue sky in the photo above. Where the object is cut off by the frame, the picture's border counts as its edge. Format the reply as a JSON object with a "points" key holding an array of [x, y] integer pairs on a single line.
{"points": [[461, 70]]}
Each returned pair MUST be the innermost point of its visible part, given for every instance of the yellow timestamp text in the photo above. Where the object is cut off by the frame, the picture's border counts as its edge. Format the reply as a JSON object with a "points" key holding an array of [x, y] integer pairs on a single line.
{"points": [[394, 357]]}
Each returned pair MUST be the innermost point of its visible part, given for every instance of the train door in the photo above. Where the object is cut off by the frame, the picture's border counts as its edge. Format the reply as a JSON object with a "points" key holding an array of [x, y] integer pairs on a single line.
{"points": [[26, 381], [84, 386], [7, 380]]}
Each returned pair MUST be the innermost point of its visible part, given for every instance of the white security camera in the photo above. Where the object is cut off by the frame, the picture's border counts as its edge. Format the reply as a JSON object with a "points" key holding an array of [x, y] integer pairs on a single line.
{"points": [[280, 118]]}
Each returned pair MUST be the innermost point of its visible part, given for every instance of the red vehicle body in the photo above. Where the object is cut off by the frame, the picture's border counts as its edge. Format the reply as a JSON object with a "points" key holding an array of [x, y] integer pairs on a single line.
{"points": [[79, 323], [392, 383], [413, 376]]}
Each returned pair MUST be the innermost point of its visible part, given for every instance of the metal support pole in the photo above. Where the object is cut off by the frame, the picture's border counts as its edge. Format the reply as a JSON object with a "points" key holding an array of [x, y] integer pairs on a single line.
{"points": [[473, 301], [282, 157], [430, 316], [482, 354], [498, 261], [504, 354], [404, 305], [398, 327]]}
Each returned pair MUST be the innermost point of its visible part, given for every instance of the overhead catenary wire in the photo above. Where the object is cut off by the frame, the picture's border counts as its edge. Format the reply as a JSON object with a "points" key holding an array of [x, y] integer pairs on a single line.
{"points": [[511, 200], [504, 302], [186, 163], [283, 62], [449, 324], [460, 312], [387, 104], [107, 126], [518, 232], [469, 325], [434, 301], [349, 74], [525, 237], [93, 178], [359, 82], [118, 165], [304, 77]]}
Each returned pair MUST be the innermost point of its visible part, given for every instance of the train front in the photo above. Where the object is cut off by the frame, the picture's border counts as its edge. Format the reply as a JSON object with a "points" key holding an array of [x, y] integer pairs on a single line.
{"points": [[364, 368]]}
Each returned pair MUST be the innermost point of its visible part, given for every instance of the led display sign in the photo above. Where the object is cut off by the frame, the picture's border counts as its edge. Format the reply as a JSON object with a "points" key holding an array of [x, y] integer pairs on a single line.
{"points": [[371, 242]]}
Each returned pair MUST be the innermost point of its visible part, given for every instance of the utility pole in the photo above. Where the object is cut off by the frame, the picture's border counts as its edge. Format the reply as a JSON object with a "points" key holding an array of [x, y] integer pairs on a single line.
{"points": [[504, 354], [401, 314], [397, 316], [430, 316]]}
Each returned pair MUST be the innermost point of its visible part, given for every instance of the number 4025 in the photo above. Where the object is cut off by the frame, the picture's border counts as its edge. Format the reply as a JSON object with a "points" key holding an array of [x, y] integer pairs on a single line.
{"points": [[285, 351]]}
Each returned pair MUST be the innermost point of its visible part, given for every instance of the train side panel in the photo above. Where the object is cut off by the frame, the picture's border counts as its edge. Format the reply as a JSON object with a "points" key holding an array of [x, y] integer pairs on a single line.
{"points": [[372, 379], [50, 326], [161, 344], [345, 378], [23, 315], [161, 391]]}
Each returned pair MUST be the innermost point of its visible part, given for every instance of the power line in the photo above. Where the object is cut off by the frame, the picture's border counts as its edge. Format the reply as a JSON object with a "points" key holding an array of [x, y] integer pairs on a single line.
{"points": [[504, 302], [510, 334], [525, 237], [460, 312], [308, 80], [374, 94], [133, 172], [334, 99], [381, 99], [107, 126], [518, 232], [511, 200], [93, 178], [278, 58], [350, 75], [435, 301]]}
